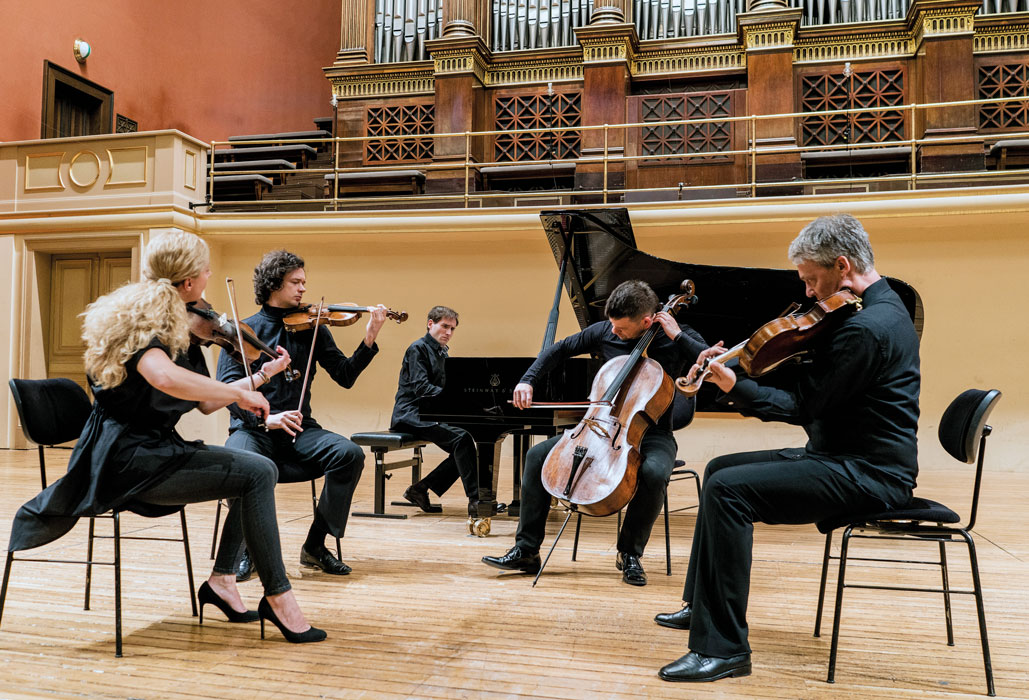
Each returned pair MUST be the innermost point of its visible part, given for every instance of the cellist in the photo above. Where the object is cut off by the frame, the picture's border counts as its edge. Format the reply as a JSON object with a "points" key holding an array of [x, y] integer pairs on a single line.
{"points": [[631, 310], [858, 403]]}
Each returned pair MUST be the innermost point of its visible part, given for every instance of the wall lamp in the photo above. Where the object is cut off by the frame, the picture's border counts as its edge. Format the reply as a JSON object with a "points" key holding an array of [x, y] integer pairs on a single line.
{"points": [[82, 50]]}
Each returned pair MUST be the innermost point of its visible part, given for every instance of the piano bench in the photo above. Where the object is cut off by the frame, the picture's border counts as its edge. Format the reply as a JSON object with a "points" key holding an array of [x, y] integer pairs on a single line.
{"points": [[380, 443]]}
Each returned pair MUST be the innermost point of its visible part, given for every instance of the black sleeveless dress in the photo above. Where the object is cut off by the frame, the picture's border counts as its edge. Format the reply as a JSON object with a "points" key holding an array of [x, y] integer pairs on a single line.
{"points": [[128, 446]]}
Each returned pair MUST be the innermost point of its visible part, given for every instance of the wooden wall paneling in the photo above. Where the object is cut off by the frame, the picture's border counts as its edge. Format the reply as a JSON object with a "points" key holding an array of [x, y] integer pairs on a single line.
{"points": [[948, 71], [605, 88]]}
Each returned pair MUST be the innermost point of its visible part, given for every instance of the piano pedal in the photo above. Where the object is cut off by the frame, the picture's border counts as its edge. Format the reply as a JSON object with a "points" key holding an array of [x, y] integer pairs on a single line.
{"points": [[479, 527]]}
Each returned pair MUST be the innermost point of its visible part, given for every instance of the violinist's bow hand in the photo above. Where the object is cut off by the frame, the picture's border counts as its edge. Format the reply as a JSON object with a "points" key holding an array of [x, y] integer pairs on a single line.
{"points": [[255, 402], [288, 421], [522, 397]]}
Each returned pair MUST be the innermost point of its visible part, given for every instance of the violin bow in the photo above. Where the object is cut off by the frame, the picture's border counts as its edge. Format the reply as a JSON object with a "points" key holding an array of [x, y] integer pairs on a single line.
{"points": [[239, 338], [310, 358]]}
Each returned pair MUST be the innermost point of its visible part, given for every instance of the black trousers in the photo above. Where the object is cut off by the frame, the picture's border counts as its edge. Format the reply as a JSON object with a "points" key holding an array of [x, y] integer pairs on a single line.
{"points": [[778, 487], [658, 451], [462, 459], [317, 452]]}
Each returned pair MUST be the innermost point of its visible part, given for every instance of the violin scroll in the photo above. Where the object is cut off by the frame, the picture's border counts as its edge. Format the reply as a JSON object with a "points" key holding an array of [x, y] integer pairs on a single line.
{"points": [[332, 315]]}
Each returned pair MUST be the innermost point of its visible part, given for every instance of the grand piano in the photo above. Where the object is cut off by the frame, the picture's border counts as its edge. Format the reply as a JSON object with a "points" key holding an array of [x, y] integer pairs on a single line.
{"points": [[595, 251]]}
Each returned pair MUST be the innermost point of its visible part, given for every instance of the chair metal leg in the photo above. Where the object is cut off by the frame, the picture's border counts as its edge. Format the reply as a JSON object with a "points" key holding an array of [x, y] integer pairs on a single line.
{"points": [[668, 539], [314, 498], [89, 562], [575, 542], [821, 588], [7, 577], [946, 593], [416, 469], [117, 585], [42, 467], [339, 549], [831, 678], [980, 609], [189, 563], [214, 535]]}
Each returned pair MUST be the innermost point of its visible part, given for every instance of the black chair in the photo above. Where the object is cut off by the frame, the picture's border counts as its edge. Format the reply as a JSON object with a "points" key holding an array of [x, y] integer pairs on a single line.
{"points": [[963, 432], [51, 411], [679, 473], [314, 511], [54, 408]]}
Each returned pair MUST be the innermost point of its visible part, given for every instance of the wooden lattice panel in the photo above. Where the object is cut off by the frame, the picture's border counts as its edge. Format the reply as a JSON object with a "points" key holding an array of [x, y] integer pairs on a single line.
{"points": [[832, 91], [707, 137], [555, 112], [400, 120], [1006, 80]]}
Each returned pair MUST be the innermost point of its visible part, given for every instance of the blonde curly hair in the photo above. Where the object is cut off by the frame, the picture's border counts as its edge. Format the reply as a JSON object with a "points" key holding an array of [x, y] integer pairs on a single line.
{"points": [[118, 324]]}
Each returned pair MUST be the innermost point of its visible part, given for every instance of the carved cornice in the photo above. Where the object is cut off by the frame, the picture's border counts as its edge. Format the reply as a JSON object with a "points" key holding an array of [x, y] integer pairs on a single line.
{"points": [[768, 30], [383, 80], [608, 43], [1001, 38], [541, 69], [689, 60], [460, 55], [941, 18], [828, 49]]}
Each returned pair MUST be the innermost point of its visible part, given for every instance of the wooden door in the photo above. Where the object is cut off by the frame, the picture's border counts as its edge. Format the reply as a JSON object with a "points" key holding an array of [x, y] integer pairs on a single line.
{"points": [[76, 280]]}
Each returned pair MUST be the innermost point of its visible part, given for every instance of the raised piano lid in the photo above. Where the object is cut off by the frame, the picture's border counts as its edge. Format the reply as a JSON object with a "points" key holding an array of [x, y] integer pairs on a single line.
{"points": [[733, 302]]}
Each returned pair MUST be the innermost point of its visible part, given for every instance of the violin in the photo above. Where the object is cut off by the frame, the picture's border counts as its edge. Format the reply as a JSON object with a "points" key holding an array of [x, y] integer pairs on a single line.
{"points": [[593, 468], [781, 339], [207, 326], [332, 315]]}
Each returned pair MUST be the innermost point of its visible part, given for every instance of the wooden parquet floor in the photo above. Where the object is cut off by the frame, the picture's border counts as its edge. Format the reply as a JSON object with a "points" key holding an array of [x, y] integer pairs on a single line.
{"points": [[421, 617]]}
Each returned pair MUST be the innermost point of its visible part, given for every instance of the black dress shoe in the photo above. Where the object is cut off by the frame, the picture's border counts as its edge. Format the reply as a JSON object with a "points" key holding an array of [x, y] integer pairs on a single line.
{"points": [[245, 570], [680, 619], [515, 560], [632, 571], [325, 561], [697, 668], [420, 497]]}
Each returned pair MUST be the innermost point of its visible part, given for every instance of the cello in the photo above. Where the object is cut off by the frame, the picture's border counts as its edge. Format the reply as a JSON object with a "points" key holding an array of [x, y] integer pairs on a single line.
{"points": [[593, 467]]}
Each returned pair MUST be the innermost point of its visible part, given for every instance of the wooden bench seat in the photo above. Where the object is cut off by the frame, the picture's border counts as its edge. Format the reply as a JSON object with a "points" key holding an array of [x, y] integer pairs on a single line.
{"points": [[376, 182], [298, 154], [380, 443], [863, 161], [1013, 147], [542, 176], [241, 187], [313, 137], [268, 167], [323, 123]]}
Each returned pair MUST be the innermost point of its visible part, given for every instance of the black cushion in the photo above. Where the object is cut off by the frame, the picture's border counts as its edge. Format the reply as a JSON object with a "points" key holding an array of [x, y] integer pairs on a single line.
{"points": [[52, 411], [962, 423], [918, 509], [387, 439]]}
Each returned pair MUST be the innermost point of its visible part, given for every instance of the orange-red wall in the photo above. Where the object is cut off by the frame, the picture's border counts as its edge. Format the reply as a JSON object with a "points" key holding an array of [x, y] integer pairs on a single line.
{"points": [[211, 69]]}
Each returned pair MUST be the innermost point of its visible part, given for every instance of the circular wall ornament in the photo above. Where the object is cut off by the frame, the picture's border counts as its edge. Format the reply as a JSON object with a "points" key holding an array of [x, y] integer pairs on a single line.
{"points": [[82, 50], [84, 169]]}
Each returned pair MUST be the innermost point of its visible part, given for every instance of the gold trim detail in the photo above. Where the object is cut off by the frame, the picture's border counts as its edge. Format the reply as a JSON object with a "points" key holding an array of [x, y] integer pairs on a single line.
{"points": [[827, 49], [538, 71], [774, 35], [29, 169], [383, 85], [1001, 39], [71, 169], [189, 174], [458, 62], [947, 21], [605, 50], [114, 177], [688, 61]]}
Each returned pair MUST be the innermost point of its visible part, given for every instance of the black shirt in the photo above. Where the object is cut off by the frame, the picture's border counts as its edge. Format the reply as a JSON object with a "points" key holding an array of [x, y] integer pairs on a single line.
{"points": [[128, 446], [858, 401], [282, 395], [597, 339], [422, 374]]}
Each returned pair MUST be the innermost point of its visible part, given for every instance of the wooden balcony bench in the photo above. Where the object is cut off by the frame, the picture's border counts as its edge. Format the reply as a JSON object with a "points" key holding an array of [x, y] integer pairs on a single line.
{"points": [[248, 187], [274, 168], [314, 136], [863, 161], [298, 154], [1008, 147], [518, 177], [377, 182]]}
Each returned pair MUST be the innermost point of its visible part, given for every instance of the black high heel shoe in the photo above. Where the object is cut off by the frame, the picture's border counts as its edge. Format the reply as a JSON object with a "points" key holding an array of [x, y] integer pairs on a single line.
{"points": [[207, 596], [265, 612]]}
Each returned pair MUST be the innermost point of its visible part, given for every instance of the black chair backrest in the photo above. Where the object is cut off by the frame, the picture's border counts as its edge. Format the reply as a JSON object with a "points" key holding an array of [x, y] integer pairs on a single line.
{"points": [[962, 423], [52, 411]]}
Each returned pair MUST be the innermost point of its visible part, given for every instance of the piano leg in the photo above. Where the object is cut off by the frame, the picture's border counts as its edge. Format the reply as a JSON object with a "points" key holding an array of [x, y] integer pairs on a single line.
{"points": [[521, 447]]}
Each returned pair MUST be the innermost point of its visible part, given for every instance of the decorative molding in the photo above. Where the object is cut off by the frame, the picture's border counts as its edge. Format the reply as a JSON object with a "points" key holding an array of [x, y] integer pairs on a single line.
{"points": [[458, 62], [189, 170], [538, 70], [696, 60], [388, 84], [943, 21], [773, 35], [43, 172], [84, 169], [605, 51], [834, 49], [1001, 39], [128, 166]]}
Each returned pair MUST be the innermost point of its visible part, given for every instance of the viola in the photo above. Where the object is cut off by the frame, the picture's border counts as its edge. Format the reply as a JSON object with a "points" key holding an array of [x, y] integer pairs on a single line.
{"points": [[593, 468], [780, 340], [207, 326], [332, 315]]}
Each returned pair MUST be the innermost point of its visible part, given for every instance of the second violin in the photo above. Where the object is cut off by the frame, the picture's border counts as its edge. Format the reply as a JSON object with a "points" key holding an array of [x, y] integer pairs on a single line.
{"points": [[332, 315]]}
